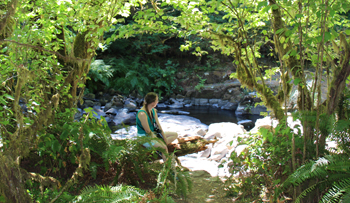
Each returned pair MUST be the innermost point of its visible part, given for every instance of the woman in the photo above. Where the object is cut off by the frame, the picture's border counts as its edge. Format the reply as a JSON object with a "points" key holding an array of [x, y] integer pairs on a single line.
{"points": [[147, 121]]}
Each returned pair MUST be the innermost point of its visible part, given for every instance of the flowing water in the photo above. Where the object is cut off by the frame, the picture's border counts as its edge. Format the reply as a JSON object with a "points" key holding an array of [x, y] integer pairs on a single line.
{"points": [[209, 115]]}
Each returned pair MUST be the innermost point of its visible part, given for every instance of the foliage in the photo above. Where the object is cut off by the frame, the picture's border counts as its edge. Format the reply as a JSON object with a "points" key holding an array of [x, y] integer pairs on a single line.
{"points": [[99, 72], [47, 194], [200, 84], [341, 128], [263, 164], [131, 74], [330, 175], [119, 193], [46, 52], [181, 182], [59, 144]]}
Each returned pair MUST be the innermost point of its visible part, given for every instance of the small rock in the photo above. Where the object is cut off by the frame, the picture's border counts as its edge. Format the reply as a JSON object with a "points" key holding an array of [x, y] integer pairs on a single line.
{"points": [[89, 103], [248, 124], [201, 132], [112, 111], [90, 96], [210, 136], [206, 153]]}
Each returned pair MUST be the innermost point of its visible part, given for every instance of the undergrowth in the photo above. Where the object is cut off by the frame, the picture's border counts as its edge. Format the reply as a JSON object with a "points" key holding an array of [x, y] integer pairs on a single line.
{"points": [[262, 165], [119, 170]]}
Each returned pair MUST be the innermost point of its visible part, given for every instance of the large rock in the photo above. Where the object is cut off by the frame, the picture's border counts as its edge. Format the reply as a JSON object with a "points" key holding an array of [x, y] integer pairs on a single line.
{"points": [[268, 122], [124, 118], [256, 110], [215, 90], [201, 101], [117, 101], [175, 104], [247, 106], [130, 105], [214, 101], [88, 103], [182, 124], [230, 106], [226, 129]]}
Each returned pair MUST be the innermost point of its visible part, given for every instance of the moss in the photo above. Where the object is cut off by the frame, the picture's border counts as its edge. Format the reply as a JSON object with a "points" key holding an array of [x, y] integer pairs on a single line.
{"points": [[191, 147], [12, 181]]}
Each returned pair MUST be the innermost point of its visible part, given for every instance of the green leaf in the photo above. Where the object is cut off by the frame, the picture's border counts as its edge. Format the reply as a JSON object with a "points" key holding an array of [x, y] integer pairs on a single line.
{"points": [[279, 31], [262, 4], [297, 81], [2, 100], [233, 76], [55, 146], [299, 15], [288, 33], [266, 9], [282, 39], [347, 32], [64, 135], [134, 81], [327, 36], [293, 52]]}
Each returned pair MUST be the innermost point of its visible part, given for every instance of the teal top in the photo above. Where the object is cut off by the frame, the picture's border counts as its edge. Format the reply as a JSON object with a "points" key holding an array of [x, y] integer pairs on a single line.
{"points": [[140, 129]]}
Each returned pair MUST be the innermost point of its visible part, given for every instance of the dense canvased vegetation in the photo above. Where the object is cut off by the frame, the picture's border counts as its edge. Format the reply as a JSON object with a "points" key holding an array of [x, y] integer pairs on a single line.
{"points": [[51, 49]]}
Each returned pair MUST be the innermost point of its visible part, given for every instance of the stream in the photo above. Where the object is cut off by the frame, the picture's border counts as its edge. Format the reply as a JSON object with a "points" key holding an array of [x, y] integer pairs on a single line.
{"points": [[208, 115]]}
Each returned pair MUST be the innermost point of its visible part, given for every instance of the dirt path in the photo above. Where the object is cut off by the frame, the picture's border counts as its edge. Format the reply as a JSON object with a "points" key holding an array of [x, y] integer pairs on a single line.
{"points": [[205, 189]]}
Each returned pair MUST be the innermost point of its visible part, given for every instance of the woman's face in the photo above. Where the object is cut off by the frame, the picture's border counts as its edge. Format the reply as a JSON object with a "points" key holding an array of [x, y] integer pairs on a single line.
{"points": [[154, 104]]}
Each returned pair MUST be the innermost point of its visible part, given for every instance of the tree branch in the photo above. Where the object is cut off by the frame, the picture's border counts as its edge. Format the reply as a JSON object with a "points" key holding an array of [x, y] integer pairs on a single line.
{"points": [[65, 58]]}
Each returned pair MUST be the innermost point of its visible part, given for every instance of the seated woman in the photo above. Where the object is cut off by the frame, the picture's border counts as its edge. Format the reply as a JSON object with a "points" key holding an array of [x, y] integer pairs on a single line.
{"points": [[147, 121]]}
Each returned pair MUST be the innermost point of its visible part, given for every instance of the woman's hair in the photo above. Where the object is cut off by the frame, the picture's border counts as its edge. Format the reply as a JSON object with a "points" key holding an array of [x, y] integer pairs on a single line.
{"points": [[149, 98]]}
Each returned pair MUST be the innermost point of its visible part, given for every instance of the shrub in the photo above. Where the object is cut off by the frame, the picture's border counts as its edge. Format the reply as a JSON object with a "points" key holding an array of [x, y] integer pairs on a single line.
{"points": [[263, 164]]}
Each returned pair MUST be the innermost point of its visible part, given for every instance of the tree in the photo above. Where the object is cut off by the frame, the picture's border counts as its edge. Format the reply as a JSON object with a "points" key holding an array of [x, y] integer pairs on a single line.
{"points": [[46, 51]]}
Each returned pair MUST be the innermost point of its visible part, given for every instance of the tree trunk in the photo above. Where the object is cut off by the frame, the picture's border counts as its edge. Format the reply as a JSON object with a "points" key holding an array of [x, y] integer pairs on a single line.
{"points": [[12, 181], [189, 145]]}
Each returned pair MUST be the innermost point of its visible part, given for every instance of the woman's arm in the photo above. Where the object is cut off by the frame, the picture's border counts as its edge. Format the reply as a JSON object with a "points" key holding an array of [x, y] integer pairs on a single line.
{"points": [[159, 126], [144, 122]]}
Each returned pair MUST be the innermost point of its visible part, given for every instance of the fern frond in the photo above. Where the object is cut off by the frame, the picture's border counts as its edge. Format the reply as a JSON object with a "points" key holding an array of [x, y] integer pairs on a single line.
{"points": [[319, 169], [338, 192], [99, 71], [305, 192], [332, 173], [119, 193]]}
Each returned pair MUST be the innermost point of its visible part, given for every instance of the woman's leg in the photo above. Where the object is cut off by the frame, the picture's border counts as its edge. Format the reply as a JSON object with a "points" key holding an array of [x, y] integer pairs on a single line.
{"points": [[162, 146], [170, 136]]}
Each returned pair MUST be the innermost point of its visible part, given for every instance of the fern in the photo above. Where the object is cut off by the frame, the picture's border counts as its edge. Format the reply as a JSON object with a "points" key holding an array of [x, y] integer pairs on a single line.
{"points": [[339, 192], [341, 135], [99, 71], [117, 193], [180, 180], [332, 173]]}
